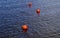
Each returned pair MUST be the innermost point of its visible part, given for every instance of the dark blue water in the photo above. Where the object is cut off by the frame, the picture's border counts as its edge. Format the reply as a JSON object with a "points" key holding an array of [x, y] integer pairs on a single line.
{"points": [[15, 13]]}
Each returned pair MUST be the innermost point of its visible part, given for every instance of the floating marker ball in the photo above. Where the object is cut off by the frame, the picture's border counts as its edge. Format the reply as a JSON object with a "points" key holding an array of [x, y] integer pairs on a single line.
{"points": [[29, 4], [24, 28], [38, 11]]}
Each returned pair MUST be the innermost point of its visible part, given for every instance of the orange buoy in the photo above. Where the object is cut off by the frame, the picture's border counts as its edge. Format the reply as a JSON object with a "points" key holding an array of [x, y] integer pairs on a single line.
{"points": [[38, 11], [24, 28], [30, 4]]}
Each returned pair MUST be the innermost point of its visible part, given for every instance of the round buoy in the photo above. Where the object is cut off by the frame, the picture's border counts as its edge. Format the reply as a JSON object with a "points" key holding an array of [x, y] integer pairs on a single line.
{"points": [[24, 28], [29, 4], [38, 11]]}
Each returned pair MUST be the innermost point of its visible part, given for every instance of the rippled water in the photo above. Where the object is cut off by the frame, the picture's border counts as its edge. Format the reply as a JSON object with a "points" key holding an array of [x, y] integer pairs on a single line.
{"points": [[14, 13]]}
